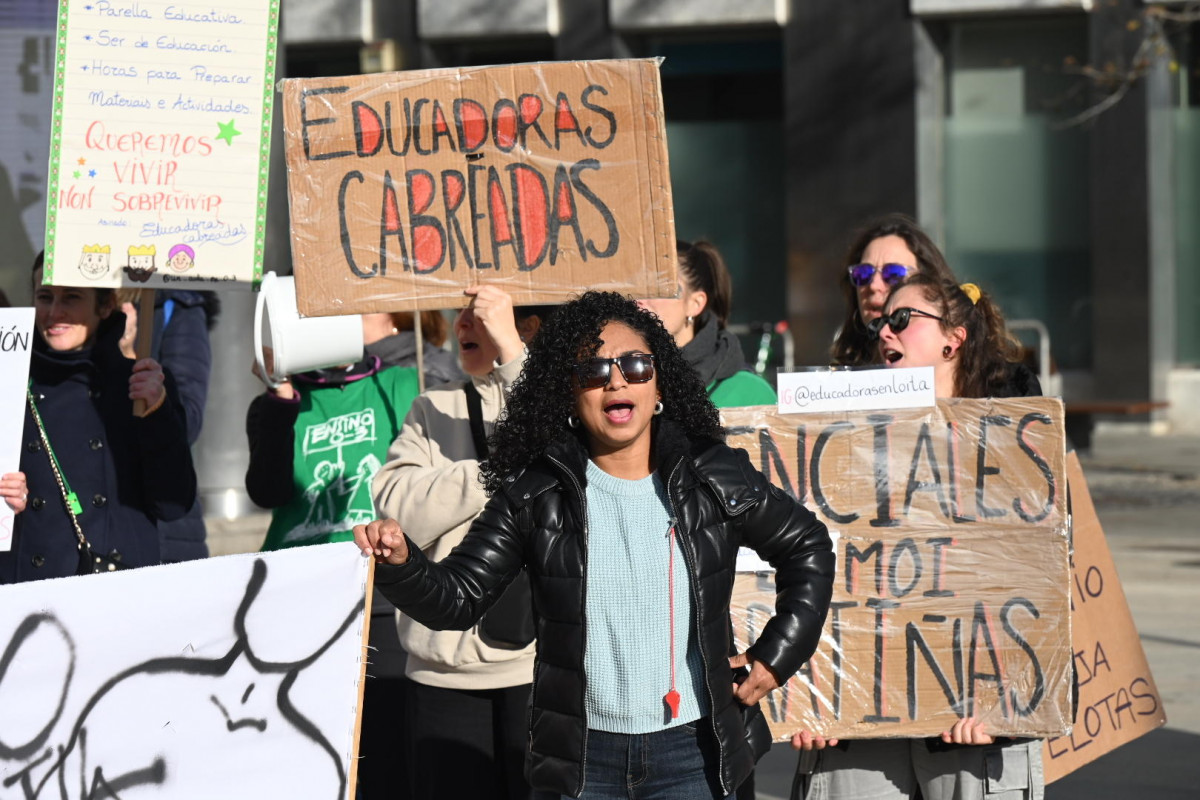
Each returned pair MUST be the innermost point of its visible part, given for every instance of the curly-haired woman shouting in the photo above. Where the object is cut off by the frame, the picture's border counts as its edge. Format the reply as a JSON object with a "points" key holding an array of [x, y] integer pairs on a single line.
{"points": [[611, 485]]}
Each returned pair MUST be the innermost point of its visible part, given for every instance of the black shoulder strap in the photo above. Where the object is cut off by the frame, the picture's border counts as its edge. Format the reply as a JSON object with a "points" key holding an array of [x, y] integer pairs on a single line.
{"points": [[475, 412]]}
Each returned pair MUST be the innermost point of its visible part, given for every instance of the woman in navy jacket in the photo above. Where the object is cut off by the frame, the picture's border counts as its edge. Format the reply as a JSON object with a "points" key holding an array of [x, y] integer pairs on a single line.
{"points": [[127, 471]]}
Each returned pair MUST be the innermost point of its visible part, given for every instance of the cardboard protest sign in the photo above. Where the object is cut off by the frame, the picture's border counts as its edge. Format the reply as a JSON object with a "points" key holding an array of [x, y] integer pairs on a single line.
{"points": [[952, 592], [160, 141], [1118, 699], [227, 677], [16, 338], [547, 179]]}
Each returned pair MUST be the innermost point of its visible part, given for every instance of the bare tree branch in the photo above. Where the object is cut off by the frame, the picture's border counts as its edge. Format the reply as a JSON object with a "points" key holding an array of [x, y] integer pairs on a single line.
{"points": [[1153, 46]]}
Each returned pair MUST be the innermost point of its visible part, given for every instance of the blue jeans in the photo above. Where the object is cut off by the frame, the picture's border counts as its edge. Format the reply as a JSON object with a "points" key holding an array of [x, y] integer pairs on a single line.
{"points": [[679, 763]]}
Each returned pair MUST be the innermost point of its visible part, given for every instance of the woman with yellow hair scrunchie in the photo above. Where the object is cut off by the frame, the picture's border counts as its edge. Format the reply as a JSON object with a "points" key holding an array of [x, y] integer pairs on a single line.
{"points": [[959, 331]]}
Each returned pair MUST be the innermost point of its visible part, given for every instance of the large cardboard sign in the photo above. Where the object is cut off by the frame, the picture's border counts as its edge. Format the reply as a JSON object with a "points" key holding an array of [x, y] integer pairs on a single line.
{"points": [[546, 179], [230, 677], [952, 592], [1118, 699], [16, 338], [159, 147]]}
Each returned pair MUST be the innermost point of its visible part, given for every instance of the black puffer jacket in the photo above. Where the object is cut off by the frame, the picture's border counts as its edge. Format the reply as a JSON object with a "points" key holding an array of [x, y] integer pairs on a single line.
{"points": [[539, 521]]}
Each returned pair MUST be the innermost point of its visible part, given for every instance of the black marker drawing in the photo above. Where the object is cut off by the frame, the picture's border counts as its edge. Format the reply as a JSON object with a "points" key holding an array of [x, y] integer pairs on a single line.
{"points": [[120, 747]]}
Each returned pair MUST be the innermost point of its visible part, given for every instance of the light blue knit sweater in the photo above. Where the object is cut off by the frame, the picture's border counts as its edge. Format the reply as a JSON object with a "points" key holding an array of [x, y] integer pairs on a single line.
{"points": [[628, 659]]}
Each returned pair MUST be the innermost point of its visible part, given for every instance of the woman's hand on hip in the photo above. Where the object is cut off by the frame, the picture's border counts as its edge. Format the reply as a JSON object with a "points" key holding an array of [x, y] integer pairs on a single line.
{"points": [[383, 539], [757, 684]]}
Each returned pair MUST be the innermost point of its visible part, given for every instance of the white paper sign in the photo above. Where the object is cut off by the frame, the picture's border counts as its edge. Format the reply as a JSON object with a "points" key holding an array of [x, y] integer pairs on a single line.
{"points": [[16, 337], [233, 677], [826, 390], [159, 150]]}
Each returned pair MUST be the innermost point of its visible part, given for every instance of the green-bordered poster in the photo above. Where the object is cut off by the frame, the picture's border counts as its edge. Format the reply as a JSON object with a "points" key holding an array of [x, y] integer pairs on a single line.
{"points": [[160, 142]]}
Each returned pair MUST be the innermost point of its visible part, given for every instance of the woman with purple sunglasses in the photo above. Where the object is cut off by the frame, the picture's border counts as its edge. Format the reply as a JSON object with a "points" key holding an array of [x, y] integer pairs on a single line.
{"points": [[884, 253]]}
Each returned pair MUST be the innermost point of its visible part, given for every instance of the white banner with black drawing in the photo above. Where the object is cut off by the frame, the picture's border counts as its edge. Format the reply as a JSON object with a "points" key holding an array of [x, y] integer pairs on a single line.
{"points": [[233, 677]]}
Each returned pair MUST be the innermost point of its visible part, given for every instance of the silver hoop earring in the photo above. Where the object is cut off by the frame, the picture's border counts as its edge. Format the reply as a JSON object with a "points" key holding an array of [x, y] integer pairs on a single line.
{"points": [[572, 421], [658, 407], [689, 321]]}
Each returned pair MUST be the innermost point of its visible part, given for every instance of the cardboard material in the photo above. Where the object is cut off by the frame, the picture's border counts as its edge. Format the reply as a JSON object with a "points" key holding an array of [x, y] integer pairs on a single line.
{"points": [[160, 144], [546, 179], [1118, 699], [225, 677], [952, 593]]}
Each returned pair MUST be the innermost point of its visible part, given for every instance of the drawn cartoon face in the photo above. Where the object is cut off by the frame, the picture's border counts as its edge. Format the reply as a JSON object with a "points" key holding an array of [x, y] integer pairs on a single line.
{"points": [[181, 258], [141, 263], [94, 262]]}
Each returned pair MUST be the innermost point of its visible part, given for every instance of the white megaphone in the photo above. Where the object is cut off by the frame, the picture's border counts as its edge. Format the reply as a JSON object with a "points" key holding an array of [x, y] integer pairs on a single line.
{"points": [[299, 344]]}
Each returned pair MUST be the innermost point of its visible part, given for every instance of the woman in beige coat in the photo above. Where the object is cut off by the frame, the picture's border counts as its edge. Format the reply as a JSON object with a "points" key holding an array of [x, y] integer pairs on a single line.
{"points": [[468, 693]]}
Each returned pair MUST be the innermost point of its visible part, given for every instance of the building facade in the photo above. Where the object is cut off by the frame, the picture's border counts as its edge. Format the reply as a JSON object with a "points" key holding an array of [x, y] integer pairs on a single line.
{"points": [[1052, 147]]}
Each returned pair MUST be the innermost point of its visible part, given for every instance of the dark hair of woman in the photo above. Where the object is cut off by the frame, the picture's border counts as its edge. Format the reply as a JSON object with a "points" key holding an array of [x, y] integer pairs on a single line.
{"points": [[703, 269], [543, 398], [434, 327], [985, 359], [854, 346], [105, 298]]}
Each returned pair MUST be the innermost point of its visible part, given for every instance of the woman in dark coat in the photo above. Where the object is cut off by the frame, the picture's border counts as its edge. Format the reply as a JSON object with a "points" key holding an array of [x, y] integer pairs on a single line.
{"points": [[127, 472], [885, 253], [611, 485], [182, 321], [960, 333]]}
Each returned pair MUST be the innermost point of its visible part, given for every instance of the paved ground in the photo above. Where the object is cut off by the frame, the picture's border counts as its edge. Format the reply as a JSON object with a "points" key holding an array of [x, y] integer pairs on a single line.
{"points": [[1147, 493]]}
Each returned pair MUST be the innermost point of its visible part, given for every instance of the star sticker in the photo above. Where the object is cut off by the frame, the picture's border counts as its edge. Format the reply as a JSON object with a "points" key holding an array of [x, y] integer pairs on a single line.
{"points": [[91, 173], [84, 68], [75, 174], [228, 132], [87, 38], [82, 161]]}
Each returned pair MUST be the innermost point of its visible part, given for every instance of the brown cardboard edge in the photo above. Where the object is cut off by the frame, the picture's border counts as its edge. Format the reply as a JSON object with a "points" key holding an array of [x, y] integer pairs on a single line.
{"points": [[1082, 496], [658, 280], [666, 275], [352, 772]]}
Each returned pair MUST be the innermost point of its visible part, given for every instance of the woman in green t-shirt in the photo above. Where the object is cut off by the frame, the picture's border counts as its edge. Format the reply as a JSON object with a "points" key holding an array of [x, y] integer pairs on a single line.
{"points": [[697, 320]]}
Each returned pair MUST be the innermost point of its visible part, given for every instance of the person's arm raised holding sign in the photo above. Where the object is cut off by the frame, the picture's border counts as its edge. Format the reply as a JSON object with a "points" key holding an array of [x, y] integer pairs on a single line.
{"points": [[610, 484], [430, 483]]}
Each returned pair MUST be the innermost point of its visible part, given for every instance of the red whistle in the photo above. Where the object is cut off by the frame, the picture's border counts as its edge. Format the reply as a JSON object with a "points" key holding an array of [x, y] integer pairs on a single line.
{"points": [[671, 698]]}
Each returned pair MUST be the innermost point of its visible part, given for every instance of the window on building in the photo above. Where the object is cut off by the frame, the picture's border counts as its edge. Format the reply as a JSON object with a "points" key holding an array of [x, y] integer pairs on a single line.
{"points": [[1016, 182], [723, 97]]}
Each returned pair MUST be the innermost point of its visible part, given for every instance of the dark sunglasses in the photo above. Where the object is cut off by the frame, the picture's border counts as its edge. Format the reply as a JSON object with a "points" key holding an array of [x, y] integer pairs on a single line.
{"points": [[635, 368], [897, 320], [861, 274]]}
